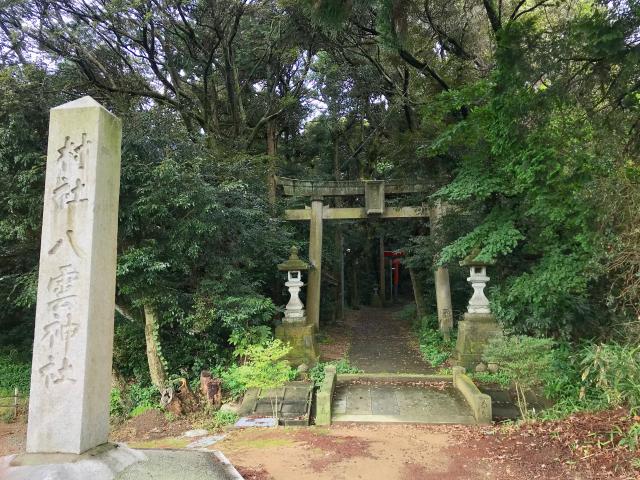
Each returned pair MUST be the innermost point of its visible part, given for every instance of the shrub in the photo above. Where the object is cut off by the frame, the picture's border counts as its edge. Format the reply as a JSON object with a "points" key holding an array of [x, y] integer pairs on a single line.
{"points": [[221, 418], [264, 367], [116, 405], [14, 373], [613, 370], [524, 360], [140, 395]]}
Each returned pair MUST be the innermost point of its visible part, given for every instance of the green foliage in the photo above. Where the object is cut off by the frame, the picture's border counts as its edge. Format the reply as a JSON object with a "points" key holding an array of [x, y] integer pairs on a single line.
{"points": [[576, 378], [116, 405], [14, 372], [613, 370], [523, 359], [221, 418], [140, 409], [264, 367], [630, 438], [435, 349], [500, 377], [316, 373]]}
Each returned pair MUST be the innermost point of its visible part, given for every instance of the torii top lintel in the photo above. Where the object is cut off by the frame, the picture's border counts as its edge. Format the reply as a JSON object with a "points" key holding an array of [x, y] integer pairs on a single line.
{"points": [[327, 188], [374, 194]]}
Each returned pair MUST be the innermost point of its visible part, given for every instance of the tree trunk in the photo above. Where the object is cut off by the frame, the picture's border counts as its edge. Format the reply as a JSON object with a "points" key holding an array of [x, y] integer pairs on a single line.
{"points": [[418, 294], [272, 151], [233, 90], [154, 355]]}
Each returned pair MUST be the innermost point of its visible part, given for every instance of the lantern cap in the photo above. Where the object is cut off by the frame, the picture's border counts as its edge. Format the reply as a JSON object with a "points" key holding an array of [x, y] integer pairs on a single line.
{"points": [[294, 262], [471, 260]]}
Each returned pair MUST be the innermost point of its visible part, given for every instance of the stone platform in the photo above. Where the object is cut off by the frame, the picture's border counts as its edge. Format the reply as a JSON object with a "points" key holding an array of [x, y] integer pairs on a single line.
{"points": [[400, 402], [119, 462]]}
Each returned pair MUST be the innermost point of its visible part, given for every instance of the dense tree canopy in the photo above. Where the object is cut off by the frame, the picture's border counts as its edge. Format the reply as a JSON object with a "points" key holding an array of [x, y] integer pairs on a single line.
{"points": [[521, 116]]}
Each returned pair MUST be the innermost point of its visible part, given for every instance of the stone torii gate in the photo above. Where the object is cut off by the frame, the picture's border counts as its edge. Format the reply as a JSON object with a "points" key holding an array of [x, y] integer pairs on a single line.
{"points": [[374, 192]]}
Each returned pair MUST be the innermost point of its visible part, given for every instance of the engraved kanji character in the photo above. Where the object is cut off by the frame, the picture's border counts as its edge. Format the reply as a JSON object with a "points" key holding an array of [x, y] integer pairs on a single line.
{"points": [[57, 330], [47, 371], [64, 372], [63, 283]]}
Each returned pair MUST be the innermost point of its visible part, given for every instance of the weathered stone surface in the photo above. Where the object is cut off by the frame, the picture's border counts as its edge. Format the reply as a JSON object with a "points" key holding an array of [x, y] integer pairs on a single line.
{"points": [[302, 339], [101, 463], [181, 465], [479, 402], [481, 367], [325, 396], [315, 257], [73, 346], [356, 213], [398, 402], [474, 332]]}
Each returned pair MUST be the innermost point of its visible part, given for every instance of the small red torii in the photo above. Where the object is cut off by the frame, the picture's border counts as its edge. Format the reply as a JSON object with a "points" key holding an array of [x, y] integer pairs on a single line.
{"points": [[395, 266]]}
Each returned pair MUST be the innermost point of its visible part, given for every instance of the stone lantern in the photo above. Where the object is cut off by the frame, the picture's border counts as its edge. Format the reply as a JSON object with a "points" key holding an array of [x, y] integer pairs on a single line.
{"points": [[479, 303], [294, 329], [479, 324], [294, 311]]}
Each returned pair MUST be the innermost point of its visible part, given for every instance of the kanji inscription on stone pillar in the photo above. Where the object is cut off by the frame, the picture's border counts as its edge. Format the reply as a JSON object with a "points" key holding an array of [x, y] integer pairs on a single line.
{"points": [[73, 341]]}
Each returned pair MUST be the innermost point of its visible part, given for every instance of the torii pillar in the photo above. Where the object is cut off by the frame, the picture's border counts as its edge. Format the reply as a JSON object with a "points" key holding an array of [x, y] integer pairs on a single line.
{"points": [[315, 257]]}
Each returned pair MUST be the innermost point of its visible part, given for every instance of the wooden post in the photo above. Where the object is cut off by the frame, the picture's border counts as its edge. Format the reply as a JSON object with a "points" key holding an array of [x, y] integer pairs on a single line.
{"points": [[315, 257]]}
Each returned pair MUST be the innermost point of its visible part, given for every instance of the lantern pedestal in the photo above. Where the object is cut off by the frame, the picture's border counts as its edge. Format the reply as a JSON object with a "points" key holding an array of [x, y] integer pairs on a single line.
{"points": [[301, 338], [479, 324], [474, 333]]}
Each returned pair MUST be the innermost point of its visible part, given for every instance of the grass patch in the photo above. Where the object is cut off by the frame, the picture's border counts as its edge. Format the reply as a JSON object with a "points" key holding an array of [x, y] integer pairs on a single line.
{"points": [[342, 366], [434, 349]]}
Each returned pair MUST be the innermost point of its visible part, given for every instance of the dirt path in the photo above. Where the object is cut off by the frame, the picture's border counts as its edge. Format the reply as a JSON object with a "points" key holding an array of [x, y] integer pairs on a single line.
{"points": [[389, 452], [381, 342], [13, 437]]}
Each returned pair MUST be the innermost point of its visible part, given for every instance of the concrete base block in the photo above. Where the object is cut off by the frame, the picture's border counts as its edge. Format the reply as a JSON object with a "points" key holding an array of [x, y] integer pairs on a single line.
{"points": [[301, 337], [324, 397], [474, 333], [119, 462], [104, 462], [479, 402]]}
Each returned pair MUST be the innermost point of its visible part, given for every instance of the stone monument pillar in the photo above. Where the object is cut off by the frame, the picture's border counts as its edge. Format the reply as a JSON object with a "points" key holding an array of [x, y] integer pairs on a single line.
{"points": [[479, 324], [295, 329], [73, 344]]}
